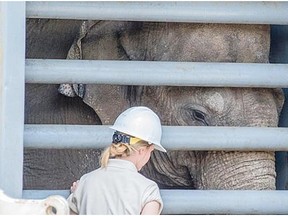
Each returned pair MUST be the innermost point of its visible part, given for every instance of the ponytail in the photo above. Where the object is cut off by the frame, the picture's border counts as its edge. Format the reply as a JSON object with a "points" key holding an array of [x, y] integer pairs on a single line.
{"points": [[119, 150]]}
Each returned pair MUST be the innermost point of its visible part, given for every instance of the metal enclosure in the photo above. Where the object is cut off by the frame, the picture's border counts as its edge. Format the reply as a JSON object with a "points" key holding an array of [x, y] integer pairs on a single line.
{"points": [[14, 136]]}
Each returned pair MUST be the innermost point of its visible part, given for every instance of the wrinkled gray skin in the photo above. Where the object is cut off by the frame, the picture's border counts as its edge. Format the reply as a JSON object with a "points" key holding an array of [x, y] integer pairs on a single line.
{"points": [[51, 168], [189, 105], [206, 107]]}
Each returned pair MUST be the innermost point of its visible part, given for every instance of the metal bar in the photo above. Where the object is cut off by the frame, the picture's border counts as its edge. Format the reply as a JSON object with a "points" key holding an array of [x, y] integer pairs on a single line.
{"points": [[53, 205], [198, 12], [207, 201], [12, 74], [157, 73], [188, 137]]}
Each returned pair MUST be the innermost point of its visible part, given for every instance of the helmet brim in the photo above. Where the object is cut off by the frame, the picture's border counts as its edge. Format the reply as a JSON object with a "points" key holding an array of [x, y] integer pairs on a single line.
{"points": [[159, 148]]}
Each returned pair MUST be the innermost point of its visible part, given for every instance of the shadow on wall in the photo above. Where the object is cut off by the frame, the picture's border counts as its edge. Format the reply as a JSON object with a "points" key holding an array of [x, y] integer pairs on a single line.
{"points": [[279, 54]]}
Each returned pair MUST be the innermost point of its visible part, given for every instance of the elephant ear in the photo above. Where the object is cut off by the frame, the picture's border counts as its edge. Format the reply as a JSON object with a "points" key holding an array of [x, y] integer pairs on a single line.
{"points": [[279, 99], [107, 101], [75, 52]]}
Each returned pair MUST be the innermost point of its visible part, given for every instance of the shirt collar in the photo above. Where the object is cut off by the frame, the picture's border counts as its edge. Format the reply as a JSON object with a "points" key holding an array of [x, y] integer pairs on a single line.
{"points": [[124, 164]]}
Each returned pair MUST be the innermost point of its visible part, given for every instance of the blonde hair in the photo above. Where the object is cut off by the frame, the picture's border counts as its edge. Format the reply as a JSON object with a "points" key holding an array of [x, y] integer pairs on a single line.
{"points": [[120, 150]]}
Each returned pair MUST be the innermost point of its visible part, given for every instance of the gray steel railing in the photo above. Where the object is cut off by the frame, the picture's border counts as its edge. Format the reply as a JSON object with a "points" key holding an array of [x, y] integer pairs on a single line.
{"points": [[197, 11], [188, 137], [215, 202], [157, 73], [12, 65], [176, 201]]}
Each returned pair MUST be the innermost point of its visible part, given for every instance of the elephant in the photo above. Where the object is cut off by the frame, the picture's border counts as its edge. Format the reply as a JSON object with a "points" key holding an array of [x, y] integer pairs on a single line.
{"points": [[45, 168], [195, 106]]}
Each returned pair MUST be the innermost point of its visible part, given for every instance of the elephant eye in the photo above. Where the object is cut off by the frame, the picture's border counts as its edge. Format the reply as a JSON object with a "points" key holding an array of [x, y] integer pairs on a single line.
{"points": [[199, 116], [193, 116]]}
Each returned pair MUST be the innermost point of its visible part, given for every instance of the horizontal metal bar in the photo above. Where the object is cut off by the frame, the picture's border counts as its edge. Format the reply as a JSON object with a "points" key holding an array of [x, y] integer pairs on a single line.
{"points": [[198, 12], [157, 73], [207, 201], [188, 137]]}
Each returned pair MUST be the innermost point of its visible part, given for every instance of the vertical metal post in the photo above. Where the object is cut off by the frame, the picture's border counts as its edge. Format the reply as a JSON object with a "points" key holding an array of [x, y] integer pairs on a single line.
{"points": [[12, 83]]}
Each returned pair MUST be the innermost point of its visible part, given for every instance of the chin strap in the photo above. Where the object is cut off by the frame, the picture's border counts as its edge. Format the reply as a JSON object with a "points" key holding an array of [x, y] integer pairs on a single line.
{"points": [[123, 138]]}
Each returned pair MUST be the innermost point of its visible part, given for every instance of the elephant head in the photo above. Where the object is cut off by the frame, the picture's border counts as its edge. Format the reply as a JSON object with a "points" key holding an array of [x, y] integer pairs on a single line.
{"points": [[200, 107], [197, 106]]}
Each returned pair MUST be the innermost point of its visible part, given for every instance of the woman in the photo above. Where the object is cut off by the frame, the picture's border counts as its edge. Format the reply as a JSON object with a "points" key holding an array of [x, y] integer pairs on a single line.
{"points": [[117, 187]]}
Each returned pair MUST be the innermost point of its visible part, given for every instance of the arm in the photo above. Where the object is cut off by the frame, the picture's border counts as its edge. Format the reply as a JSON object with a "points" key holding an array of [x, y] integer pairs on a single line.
{"points": [[72, 205], [151, 208], [72, 212]]}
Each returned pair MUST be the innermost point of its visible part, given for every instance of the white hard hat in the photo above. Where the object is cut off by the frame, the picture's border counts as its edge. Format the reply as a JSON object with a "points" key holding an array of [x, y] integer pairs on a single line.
{"points": [[140, 122]]}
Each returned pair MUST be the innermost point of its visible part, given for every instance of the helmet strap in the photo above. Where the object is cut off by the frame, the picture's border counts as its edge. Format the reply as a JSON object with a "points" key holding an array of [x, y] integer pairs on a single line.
{"points": [[123, 138]]}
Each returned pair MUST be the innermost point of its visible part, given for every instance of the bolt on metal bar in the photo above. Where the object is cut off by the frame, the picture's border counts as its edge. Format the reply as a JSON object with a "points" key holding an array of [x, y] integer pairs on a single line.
{"points": [[157, 73], [12, 73], [207, 201], [188, 137], [197, 12]]}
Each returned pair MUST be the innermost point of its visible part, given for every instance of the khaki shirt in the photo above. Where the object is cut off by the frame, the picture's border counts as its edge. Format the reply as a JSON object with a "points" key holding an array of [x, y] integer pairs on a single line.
{"points": [[116, 189]]}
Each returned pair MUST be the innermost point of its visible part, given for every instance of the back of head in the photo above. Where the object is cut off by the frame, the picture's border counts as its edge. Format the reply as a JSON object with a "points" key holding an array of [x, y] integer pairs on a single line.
{"points": [[120, 149], [135, 127], [141, 122]]}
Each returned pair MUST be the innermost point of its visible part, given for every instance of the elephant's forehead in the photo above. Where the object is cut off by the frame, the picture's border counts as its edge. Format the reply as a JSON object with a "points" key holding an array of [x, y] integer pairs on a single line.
{"points": [[215, 101]]}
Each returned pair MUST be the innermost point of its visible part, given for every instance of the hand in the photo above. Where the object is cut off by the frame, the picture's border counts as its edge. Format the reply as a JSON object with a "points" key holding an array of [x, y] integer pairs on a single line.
{"points": [[74, 186]]}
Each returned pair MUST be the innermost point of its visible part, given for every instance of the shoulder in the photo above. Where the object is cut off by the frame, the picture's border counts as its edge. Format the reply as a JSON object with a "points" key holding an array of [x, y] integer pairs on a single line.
{"points": [[148, 186], [90, 175], [145, 180]]}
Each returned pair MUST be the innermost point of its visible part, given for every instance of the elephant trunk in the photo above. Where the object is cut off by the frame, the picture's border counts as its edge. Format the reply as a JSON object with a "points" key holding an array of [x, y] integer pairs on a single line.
{"points": [[244, 170], [238, 170]]}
